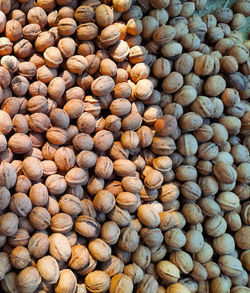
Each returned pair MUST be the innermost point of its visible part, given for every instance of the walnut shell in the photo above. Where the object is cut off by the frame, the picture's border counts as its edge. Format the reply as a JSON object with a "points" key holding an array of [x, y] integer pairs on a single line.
{"points": [[97, 281], [48, 269]]}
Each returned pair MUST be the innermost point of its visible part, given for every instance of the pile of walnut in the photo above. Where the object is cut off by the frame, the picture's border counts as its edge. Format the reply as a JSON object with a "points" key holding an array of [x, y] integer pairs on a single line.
{"points": [[124, 147]]}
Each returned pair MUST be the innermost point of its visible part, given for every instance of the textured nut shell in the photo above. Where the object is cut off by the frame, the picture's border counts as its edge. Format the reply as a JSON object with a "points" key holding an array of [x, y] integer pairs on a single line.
{"points": [[168, 271], [121, 283], [97, 281], [28, 280], [59, 247], [67, 282], [48, 269]]}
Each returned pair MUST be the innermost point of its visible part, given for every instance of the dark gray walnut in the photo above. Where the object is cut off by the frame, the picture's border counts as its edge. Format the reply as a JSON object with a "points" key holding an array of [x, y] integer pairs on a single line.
{"points": [[224, 15], [148, 284], [129, 239], [237, 81]]}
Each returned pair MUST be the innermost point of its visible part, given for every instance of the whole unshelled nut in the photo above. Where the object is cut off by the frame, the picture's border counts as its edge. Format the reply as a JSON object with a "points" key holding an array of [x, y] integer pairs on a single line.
{"points": [[13, 30], [70, 204], [194, 241], [225, 173], [148, 216], [66, 26], [37, 15], [97, 280], [52, 57], [168, 271], [8, 175], [28, 279], [32, 168], [175, 238], [61, 223], [182, 260], [5, 122], [5, 46], [102, 86], [230, 265], [110, 35], [48, 269], [67, 281], [104, 15], [121, 283], [87, 226], [165, 125], [59, 247], [20, 204], [20, 143], [8, 224], [79, 258], [87, 31], [38, 244], [84, 13], [129, 239], [100, 250], [110, 232]]}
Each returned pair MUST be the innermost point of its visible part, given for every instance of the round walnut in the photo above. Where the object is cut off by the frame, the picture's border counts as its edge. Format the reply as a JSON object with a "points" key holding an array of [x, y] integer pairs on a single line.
{"points": [[124, 146], [97, 281]]}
